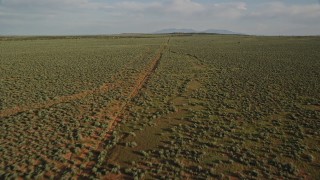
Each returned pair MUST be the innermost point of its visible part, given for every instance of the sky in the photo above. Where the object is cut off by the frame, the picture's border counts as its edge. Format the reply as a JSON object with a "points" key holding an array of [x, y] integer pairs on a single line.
{"points": [[88, 17]]}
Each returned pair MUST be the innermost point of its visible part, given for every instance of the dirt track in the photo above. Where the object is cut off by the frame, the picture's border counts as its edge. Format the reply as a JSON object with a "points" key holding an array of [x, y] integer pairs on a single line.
{"points": [[116, 111], [63, 99], [140, 82]]}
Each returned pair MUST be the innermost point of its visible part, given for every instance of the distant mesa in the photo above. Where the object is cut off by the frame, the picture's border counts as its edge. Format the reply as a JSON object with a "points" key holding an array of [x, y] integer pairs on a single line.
{"points": [[209, 31]]}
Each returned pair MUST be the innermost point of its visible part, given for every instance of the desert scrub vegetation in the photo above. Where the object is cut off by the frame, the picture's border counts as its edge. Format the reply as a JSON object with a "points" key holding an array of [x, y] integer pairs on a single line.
{"points": [[38, 70], [213, 107], [61, 113], [247, 110]]}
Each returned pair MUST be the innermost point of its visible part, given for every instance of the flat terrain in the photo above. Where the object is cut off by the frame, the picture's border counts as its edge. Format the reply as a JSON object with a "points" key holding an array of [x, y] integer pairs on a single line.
{"points": [[160, 107]]}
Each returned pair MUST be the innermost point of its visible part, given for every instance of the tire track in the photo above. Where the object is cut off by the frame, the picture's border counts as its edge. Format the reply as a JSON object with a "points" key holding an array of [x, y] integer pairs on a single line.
{"points": [[137, 82], [141, 81], [63, 99], [115, 113]]}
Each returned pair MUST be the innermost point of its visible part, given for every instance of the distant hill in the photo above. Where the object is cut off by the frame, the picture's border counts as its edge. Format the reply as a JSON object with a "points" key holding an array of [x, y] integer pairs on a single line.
{"points": [[212, 31]]}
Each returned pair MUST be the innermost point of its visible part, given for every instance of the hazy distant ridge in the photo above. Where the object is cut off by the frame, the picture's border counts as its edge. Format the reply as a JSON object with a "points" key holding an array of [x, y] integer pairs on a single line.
{"points": [[214, 31]]}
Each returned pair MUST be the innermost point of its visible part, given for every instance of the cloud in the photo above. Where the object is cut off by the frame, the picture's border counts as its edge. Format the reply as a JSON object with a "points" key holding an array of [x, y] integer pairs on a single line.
{"points": [[137, 6], [231, 10], [167, 7], [280, 18], [53, 4], [231, 5], [115, 16], [280, 10], [38, 3], [184, 7]]}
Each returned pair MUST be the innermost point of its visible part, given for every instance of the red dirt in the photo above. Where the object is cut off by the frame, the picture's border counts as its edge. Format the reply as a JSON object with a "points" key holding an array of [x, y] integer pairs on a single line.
{"points": [[113, 111], [62, 99], [140, 82], [116, 110]]}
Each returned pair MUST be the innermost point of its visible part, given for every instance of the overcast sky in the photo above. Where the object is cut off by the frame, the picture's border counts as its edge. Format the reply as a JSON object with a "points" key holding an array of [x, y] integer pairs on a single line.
{"points": [[59, 17]]}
